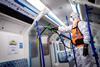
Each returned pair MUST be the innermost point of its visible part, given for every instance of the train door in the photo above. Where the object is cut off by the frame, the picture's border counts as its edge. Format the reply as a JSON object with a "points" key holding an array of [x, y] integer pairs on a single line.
{"points": [[36, 55], [34, 50], [60, 55]]}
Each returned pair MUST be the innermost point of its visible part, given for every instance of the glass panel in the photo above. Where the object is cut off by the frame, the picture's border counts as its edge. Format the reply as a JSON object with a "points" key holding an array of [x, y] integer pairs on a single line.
{"points": [[61, 46], [46, 49], [34, 49]]}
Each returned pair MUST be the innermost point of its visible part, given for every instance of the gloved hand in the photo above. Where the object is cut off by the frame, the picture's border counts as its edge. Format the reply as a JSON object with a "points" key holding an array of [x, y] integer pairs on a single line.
{"points": [[85, 50], [54, 28]]}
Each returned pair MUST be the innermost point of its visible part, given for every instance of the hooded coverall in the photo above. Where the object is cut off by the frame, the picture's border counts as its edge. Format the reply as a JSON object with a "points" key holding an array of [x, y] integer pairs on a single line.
{"points": [[82, 61]]}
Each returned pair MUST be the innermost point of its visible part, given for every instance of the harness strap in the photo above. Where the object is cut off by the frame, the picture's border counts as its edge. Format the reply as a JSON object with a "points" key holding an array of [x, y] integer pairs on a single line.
{"points": [[77, 36]]}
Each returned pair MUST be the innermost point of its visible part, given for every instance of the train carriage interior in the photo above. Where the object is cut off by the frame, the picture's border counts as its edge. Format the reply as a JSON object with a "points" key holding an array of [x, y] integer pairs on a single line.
{"points": [[30, 34]]}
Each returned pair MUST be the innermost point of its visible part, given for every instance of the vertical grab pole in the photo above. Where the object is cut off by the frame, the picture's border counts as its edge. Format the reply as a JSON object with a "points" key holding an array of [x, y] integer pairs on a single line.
{"points": [[40, 44], [91, 38], [72, 44], [64, 47], [30, 56], [77, 10]]}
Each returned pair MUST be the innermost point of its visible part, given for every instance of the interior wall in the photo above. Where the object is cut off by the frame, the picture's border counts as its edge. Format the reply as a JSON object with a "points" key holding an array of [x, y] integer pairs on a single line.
{"points": [[26, 43], [13, 29], [9, 52], [10, 24]]}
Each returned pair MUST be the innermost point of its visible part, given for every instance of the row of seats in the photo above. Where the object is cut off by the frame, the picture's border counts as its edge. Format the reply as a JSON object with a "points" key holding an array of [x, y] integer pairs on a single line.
{"points": [[15, 63]]}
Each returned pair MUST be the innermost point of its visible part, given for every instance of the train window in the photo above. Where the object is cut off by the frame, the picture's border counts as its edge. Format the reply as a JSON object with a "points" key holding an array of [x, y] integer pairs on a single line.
{"points": [[34, 50], [46, 49], [33, 47], [61, 46], [92, 1], [45, 44]]}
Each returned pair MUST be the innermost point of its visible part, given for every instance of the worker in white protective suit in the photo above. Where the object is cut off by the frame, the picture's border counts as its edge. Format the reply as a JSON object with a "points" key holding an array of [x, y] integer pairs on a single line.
{"points": [[81, 39]]}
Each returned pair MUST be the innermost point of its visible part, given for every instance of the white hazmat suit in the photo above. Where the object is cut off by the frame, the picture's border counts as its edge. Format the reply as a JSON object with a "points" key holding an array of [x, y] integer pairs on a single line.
{"points": [[82, 61]]}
